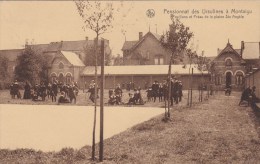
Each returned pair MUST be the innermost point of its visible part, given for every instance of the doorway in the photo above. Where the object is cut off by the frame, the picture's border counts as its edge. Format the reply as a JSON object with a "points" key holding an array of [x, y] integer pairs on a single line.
{"points": [[228, 79]]}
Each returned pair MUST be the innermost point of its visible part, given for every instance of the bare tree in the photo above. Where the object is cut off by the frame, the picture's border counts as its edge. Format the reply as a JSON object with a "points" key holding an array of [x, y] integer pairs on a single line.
{"points": [[203, 65], [98, 17], [175, 40], [192, 56]]}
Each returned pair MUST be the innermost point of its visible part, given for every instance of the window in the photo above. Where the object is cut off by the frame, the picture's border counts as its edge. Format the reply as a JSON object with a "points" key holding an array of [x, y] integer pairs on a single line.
{"points": [[148, 55], [158, 60], [218, 79], [61, 65], [53, 77], [239, 78], [68, 78], [212, 77], [228, 63], [61, 78]]}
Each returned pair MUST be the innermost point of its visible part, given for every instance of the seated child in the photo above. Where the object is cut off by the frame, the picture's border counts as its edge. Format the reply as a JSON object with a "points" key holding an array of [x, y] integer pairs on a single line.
{"points": [[131, 100], [63, 99]]}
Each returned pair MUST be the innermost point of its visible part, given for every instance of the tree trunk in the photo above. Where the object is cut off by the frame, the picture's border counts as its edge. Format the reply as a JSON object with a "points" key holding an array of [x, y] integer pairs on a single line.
{"points": [[170, 85], [191, 87], [101, 145], [95, 100]]}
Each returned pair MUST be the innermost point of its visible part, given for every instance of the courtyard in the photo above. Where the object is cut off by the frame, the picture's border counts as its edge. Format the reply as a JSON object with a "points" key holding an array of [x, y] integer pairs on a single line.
{"points": [[213, 131]]}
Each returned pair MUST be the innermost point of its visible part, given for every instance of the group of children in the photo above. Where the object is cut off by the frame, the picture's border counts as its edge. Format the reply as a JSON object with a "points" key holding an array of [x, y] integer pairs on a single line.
{"points": [[39, 92]]}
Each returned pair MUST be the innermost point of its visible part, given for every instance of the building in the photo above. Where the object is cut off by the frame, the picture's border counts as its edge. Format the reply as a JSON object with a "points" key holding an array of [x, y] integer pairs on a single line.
{"points": [[252, 79], [231, 65], [66, 59], [144, 75], [65, 67], [145, 51]]}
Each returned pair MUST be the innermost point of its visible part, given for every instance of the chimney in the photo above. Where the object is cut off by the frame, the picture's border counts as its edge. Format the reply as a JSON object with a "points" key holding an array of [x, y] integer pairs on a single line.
{"points": [[140, 35], [61, 43], [86, 38], [242, 48], [26, 43]]}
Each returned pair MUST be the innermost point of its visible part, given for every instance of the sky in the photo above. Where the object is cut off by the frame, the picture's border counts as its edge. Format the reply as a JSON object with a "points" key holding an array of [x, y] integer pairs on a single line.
{"points": [[48, 21]]}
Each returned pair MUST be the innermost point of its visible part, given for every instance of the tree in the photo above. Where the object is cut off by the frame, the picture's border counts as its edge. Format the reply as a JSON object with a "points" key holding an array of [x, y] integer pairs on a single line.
{"points": [[203, 65], [175, 40], [98, 17], [3, 68], [32, 66], [89, 50], [192, 56], [28, 67]]}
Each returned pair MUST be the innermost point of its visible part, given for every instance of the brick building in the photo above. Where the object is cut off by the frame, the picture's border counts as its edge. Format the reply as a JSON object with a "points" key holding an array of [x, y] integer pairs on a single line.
{"points": [[231, 65], [145, 51], [66, 59]]}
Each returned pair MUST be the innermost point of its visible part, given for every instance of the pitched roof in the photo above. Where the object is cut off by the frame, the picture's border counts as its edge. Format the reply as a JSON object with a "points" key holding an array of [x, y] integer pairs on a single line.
{"points": [[11, 54], [141, 70], [132, 44], [128, 45], [229, 49], [73, 58], [39, 48], [79, 45], [49, 56], [237, 50], [157, 36], [251, 50]]}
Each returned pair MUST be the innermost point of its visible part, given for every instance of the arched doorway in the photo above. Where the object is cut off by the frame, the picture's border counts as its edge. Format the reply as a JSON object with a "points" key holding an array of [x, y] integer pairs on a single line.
{"points": [[53, 77], [228, 79], [61, 78], [68, 78]]}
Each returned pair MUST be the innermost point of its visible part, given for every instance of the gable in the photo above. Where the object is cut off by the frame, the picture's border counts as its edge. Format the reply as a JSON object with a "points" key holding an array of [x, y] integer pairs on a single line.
{"points": [[228, 52], [149, 45], [128, 45], [72, 58], [58, 58]]}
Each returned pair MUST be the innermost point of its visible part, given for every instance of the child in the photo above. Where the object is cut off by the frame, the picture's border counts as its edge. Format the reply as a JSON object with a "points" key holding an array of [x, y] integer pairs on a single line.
{"points": [[63, 99], [131, 100]]}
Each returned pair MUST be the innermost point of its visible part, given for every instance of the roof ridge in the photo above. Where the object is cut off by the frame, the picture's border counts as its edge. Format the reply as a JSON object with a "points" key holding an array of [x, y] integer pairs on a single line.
{"points": [[252, 42], [12, 49]]}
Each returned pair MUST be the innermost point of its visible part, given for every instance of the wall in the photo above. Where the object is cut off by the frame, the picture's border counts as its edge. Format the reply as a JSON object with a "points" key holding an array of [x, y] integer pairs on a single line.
{"points": [[68, 68], [112, 81], [150, 45], [253, 80], [221, 69]]}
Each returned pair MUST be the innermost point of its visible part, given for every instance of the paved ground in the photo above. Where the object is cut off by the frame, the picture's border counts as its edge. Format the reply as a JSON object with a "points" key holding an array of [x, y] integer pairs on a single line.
{"points": [[51, 128]]}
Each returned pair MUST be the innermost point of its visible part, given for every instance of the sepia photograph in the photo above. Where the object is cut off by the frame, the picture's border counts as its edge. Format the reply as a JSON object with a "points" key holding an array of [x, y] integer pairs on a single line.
{"points": [[129, 81]]}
